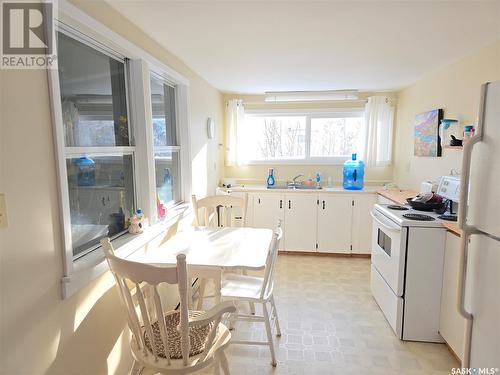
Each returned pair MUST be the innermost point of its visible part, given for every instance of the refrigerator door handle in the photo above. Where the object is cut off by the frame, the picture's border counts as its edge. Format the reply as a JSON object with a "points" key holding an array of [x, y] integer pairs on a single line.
{"points": [[462, 276], [466, 161]]}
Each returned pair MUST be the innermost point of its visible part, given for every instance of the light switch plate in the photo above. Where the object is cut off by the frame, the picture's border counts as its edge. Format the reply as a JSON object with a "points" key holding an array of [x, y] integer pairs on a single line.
{"points": [[3, 212]]}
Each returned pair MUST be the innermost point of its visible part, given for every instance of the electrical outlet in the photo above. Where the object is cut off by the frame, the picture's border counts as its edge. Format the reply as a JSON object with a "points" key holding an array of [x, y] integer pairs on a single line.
{"points": [[3, 211]]}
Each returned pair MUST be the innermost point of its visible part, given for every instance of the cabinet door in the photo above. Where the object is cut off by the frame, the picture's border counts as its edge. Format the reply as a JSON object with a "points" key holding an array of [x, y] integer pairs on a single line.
{"points": [[451, 323], [334, 223], [300, 222], [268, 208], [362, 223]]}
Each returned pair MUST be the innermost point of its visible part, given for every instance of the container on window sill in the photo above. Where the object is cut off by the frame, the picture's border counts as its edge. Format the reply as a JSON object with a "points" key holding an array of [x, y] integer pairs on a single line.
{"points": [[137, 222], [354, 171], [85, 171]]}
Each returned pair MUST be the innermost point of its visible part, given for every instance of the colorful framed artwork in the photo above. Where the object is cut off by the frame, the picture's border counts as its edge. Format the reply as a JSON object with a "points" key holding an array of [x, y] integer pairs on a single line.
{"points": [[427, 142]]}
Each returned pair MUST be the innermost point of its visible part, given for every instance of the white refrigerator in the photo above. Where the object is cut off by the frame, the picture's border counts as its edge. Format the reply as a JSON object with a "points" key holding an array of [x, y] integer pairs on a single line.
{"points": [[479, 218]]}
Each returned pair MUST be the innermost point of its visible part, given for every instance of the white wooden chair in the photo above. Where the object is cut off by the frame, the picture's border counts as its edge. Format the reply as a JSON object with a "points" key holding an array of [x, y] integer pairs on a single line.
{"points": [[218, 211], [257, 290], [173, 342]]}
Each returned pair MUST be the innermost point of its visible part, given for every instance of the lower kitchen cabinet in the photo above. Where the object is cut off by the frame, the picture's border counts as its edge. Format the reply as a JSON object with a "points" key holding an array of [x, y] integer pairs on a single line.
{"points": [[268, 208], [300, 222], [326, 223], [362, 223], [451, 324], [334, 223]]}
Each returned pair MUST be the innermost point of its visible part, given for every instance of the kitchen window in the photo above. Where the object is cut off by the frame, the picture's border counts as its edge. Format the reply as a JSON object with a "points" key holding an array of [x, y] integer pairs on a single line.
{"points": [[98, 144], [274, 137], [121, 139], [301, 136], [166, 147]]}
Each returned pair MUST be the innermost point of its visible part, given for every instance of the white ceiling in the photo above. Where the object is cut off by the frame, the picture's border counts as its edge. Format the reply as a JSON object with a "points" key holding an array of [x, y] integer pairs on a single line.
{"points": [[257, 46]]}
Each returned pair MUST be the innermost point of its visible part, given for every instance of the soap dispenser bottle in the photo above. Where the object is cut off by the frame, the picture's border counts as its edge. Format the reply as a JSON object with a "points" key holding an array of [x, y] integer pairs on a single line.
{"points": [[270, 178]]}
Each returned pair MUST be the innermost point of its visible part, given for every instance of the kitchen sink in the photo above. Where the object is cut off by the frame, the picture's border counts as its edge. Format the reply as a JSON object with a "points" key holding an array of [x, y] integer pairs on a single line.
{"points": [[293, 187]]}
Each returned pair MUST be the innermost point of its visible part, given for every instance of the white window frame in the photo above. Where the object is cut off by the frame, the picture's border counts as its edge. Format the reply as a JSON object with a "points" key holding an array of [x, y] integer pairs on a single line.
{"points": [[308, 114], [78, 273], [176, 148]]}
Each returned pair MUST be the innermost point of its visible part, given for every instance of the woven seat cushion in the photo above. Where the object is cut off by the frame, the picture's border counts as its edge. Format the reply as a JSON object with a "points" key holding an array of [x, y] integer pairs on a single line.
{"points": [[197, 336]]}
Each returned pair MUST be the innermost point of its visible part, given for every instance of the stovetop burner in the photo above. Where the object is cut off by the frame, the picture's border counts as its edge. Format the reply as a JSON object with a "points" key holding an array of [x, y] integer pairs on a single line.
{"points": [[397, 207], [419, 217]]}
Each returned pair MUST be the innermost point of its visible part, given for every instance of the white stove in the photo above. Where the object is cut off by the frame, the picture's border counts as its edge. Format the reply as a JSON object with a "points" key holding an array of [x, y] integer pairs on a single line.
{"points": [[400, 216], [406, 272]]}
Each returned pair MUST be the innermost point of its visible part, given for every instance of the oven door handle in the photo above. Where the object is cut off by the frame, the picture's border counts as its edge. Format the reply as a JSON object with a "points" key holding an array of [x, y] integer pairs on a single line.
{"points": [[393, 228]]}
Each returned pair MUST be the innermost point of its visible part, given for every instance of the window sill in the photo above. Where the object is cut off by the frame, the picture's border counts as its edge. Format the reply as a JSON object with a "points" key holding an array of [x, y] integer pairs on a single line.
{"points": [[88, 268], [312, 161]]}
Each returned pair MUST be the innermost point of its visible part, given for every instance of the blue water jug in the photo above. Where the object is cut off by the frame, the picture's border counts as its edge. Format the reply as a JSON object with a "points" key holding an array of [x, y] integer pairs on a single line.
{"points": [[354, 172]]}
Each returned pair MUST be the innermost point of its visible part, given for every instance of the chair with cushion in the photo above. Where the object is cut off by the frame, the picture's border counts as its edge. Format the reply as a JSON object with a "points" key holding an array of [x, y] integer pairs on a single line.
{"points": [[179, 341], [257, 290]]}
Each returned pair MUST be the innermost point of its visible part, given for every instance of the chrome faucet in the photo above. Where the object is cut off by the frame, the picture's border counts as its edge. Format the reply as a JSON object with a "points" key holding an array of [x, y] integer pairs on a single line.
{"points": [[295, 183]]}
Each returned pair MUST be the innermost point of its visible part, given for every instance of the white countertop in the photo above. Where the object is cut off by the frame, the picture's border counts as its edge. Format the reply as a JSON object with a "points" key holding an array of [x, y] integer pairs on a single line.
{"points": [[336, 189]]}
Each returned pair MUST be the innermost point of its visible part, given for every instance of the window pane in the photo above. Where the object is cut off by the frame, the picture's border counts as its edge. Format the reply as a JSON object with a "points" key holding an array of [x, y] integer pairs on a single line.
{"points": [[163, 103], [279, 137], [101, 196], [335, 136], [93, 95], [167, 176]]}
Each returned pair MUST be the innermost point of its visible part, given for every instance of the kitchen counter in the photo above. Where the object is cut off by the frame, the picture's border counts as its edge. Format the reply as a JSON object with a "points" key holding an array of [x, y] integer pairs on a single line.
{"points": [[396, 195], [452, 227], [336, 189]]}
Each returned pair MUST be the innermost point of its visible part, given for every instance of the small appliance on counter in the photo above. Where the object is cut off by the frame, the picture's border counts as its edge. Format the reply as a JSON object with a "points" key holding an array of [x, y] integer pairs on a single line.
{"points": [[354, 171]]}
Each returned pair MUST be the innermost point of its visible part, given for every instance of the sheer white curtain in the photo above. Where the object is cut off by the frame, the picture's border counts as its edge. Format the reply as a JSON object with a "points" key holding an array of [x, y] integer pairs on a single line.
{"points": [[235, 116], [379, 118]]}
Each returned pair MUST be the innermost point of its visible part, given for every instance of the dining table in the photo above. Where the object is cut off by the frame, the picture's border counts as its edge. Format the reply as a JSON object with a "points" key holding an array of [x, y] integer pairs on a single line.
{"points": [[209, 251]]}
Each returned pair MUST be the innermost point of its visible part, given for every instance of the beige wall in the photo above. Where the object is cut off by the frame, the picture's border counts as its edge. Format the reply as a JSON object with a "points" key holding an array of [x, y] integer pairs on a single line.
{"points": [[39, 332], [258, 173], [455, 88]]}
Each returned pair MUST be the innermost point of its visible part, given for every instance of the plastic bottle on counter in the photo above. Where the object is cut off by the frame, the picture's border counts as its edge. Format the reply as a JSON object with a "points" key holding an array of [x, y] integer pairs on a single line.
{"points": [[270, 178]]}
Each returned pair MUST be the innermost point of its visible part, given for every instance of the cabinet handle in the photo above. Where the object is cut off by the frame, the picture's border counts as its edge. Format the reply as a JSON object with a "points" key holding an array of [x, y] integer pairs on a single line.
{"points": [[281, 203], [289, 204], [103, 200], [259, 200], [324, 205]]}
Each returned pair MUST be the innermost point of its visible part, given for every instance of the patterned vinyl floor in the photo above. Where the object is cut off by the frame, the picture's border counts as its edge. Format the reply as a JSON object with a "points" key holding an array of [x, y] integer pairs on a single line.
{"points": [[331, 325]]}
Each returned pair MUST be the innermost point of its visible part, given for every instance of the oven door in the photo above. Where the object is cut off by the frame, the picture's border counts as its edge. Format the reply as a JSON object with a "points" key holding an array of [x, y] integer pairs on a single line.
{"points": [[389, 251]]}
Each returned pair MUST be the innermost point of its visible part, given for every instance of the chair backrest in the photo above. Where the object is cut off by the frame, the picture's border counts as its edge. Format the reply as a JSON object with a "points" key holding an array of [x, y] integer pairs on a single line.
{"points": [[272, 256], [219, 210], [139, 282]]}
